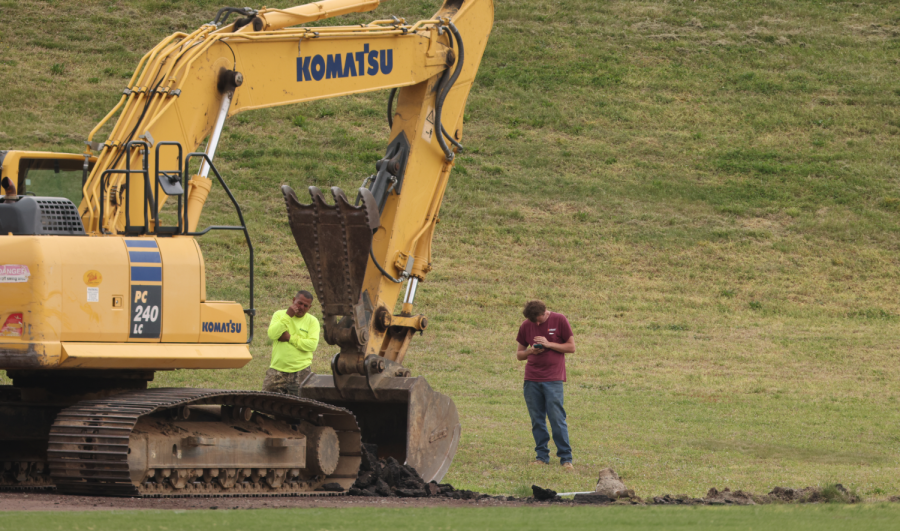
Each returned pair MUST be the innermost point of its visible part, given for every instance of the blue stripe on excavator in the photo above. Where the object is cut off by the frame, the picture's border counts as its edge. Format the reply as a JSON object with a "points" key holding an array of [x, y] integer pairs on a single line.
{"points": [[150, 257], [141, 243], [146, 274]]}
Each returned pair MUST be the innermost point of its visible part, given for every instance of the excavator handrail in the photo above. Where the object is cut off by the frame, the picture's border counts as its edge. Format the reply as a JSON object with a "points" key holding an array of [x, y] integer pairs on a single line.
{"points": [[251, 311], [144, 147], [183, 210], [181, 197]]}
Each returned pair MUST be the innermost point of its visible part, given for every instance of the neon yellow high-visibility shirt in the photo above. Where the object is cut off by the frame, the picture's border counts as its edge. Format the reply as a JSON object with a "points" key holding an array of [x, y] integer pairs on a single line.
{"points": [[297, 353]]}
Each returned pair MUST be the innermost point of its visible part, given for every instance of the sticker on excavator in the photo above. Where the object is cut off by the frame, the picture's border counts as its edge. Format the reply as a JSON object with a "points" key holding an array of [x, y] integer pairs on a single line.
{"points": [[10, 273], [13, 326], [428, 128], [93, 278], [146, 289], [146, 309]]}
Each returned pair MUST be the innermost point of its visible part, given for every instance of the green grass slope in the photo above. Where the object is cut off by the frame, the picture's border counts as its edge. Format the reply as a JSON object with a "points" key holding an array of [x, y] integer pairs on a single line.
{"points": [[707, 189]]}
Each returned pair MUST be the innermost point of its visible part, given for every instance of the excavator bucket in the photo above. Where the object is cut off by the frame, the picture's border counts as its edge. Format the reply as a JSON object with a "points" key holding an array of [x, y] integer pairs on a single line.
{"points": [[400, 414], [407, 419]]}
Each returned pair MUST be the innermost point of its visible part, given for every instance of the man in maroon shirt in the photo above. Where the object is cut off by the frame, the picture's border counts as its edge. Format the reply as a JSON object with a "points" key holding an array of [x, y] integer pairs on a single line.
{"points": [[544, 340]]}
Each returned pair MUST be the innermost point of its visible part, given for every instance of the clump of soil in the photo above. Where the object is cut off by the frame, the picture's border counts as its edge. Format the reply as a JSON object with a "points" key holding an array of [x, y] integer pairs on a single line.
{"points": [[541, 494], [387, 477]]}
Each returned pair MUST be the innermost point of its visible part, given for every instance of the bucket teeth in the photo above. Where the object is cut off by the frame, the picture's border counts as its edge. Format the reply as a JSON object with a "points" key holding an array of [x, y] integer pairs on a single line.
{"points": [[335, 241]]}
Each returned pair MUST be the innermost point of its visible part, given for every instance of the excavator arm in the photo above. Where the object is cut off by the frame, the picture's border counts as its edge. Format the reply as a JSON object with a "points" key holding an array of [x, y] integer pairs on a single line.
{"points": [[360, 253]]}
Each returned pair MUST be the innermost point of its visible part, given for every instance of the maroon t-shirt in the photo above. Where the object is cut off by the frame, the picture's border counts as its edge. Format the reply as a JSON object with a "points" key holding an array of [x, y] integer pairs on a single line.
{"points": [[550, 365]]}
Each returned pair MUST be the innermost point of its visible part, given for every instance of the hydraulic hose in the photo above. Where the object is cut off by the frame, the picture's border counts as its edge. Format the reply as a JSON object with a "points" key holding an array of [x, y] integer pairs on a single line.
{"points": [[444, 86], [383, 272], [390, 119], [136, 125], [390, 112], [444, 89]]}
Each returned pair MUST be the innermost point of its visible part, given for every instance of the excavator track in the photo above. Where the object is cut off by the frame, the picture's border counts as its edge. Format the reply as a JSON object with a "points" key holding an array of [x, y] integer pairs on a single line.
{"points": [[259, 446]]}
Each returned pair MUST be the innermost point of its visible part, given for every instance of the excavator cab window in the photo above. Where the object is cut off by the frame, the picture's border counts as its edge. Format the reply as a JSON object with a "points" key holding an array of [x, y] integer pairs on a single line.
{"points": [[51, 178]]}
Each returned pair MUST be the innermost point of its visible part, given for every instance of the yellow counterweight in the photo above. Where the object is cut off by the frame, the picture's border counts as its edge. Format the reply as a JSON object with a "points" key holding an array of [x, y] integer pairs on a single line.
{"points": [[81, 299]]}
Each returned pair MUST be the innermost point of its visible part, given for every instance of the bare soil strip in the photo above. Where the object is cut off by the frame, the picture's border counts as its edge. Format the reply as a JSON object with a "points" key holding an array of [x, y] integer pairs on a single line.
{"points": [[32, 501]]}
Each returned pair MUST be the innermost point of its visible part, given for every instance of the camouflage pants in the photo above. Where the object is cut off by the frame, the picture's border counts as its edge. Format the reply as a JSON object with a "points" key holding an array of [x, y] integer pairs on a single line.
{"points": [[285, 382]]}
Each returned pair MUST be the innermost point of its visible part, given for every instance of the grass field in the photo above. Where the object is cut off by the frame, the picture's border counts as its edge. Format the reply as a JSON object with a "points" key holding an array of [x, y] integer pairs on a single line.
{"points": [[862, 518], [708, 189]]}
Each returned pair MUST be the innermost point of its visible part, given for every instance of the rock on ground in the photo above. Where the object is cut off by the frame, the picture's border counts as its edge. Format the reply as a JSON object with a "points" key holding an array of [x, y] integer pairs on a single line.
{"points": [[611, 485]]}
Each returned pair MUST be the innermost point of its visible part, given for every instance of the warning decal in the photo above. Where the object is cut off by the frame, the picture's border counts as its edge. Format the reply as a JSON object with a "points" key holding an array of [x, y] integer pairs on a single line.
{"points": [[14, 273], [428, 127]]}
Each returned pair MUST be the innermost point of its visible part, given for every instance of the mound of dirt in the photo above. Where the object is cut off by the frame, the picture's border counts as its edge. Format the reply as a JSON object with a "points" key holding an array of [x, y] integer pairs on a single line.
{"points": [[728, 497], [676, 499], [388, 478], [830, 494]]}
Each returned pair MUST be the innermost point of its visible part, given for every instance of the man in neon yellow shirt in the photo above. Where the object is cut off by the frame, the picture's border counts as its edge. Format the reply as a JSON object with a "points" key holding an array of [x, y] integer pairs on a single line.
{"points": [[295, 336]]}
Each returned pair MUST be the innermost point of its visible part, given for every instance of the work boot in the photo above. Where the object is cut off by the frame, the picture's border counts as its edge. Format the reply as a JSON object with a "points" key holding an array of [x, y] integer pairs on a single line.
{"points": [[538, 462], [568, 466]]}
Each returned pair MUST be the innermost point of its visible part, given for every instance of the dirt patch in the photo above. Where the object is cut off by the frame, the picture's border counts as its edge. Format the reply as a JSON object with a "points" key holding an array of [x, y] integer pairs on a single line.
{"points": [[33, 501], [829, 494], [713, 497]]}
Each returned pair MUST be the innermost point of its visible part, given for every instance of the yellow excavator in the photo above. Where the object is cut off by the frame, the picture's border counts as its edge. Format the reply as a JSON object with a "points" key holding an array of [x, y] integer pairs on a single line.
{"points": [[102, 281]]}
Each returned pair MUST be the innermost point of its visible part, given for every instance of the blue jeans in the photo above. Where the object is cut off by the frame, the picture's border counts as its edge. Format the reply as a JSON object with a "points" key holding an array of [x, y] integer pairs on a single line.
{"points": [[545, 401]]}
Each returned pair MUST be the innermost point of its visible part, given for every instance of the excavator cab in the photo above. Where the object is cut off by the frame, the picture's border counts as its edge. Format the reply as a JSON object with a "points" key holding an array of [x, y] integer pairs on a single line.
{"points": [[40, 192], [37, 173]]}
